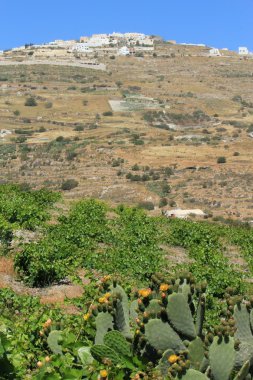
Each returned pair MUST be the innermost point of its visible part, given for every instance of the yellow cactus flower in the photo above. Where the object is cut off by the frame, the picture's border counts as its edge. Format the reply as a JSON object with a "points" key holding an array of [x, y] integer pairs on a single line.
{"points": [[164, 287], [47, 359], [173, 359], [102, 300], [86, 316], [39, 364], [107, 295], [105, 278], [145, 292], [103, 374]]}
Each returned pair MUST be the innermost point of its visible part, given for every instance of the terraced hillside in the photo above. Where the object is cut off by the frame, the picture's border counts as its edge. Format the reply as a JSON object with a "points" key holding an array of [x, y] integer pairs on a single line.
{"points": [[185, 110]]}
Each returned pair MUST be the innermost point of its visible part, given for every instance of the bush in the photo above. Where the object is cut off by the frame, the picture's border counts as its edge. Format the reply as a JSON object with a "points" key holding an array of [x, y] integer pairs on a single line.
{"points": [[107, 113], [71, 155], [48, 105], [41, 129], [163, 202], [30, 102], [147, 205], [16, 113], [79, 128], [136, 167], [221, 160], [69, 184], [236, 154]]}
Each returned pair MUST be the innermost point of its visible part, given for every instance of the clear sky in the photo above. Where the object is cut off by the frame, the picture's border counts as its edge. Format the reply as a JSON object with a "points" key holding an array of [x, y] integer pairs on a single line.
{"points": [[217, 23]]}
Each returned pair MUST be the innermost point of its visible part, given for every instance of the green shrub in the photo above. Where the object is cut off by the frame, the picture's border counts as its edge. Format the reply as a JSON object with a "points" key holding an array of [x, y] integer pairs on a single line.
{"points": [[30, 102], [69, 184], [221, 160], [79, 128], [146, 205], [107, 113], [163, 202]]}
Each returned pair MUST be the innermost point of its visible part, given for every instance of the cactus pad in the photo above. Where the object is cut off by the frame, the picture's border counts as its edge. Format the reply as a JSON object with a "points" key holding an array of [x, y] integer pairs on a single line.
{"points": [[133, 311], [53, 342], [242, 319], [180, 316], [121, 319], [101, 352], [117, 342], [104, 322], [192, 374], [222, 358], [154, 307], [164, 363], [200, 316], [162, 337], [196, 353]]}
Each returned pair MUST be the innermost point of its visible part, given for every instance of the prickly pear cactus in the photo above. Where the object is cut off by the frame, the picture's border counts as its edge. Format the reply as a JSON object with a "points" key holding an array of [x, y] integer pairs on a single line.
{"points": [[104, 323], [242, 319], [53, 342], [164, 363], [196, 353], [161, 336], [192, 374], [101, 352], [116, 341], [222, 357], [121, 319], [180, 316]]}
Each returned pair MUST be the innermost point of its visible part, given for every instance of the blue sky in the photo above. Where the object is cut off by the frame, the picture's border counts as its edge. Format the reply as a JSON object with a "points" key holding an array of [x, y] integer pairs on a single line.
{"points": [[218, 23]]}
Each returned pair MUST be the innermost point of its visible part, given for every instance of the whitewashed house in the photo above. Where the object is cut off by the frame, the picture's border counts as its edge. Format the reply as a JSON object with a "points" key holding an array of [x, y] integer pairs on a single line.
{"points": [[243, 50], [214, 52], [183, 214], [81, 48], [124, 51]]}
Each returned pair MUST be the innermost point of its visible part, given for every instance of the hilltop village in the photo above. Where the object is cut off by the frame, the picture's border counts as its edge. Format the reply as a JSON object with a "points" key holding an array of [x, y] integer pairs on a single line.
{"points": [[114, 44]]}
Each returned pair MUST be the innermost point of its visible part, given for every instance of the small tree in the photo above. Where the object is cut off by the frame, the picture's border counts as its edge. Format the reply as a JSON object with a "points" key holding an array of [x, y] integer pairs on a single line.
{"points": [[69, 184], [221, 160], [30, 102]]}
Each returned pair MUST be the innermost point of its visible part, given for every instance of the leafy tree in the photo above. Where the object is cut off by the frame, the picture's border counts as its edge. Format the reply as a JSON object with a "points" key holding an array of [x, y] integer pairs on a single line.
{"points": [[30, 102]]}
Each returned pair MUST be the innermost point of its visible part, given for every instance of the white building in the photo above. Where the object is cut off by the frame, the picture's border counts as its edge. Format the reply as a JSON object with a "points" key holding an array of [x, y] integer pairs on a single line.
{"points": [[183, 214], [135, 36], [124, 51], [1, 52], [81, 48], [214, 52], [243, 51], [62, 43], [116, 35]]}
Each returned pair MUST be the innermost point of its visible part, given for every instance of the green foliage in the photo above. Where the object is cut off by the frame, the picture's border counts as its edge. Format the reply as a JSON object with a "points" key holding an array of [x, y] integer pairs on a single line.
{"points": [[30, 102], [87, 238], [69, 184], [221, 160], [23, 208], [203, 245]]}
